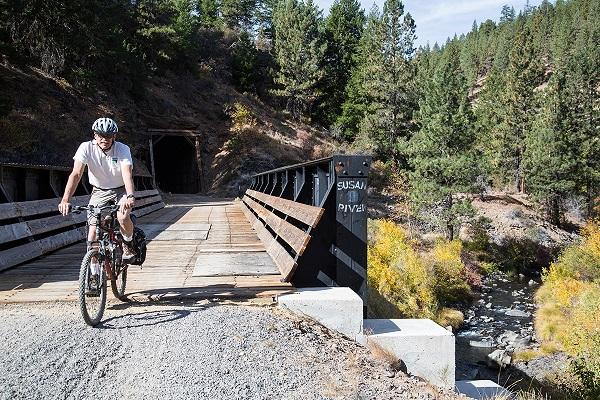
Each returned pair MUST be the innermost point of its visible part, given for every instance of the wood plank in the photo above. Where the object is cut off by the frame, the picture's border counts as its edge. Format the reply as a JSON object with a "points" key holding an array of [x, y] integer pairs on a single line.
{"points": [[8, 233], [147, 200], [145, 193], [285, 263], [16, 255], [202, 226], [234, 264], [292, 235], [21, 230], [306, 214], [177, 235], [147, 210], [29, 208]]}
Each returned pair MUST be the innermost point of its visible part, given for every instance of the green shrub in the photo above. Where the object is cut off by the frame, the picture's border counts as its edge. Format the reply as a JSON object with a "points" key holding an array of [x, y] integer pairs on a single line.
{"points": [[488, 267], [241, 116], [480, 239]]}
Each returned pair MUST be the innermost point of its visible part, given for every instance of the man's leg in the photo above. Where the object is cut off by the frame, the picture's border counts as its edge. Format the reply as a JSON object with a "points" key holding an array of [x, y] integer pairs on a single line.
{"points": [[126, 224], [127, 232], [96, 198]]}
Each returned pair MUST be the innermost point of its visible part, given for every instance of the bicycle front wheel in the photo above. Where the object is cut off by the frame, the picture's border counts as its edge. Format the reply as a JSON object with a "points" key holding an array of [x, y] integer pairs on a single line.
{"points": [[118, 284], [92, 288]]}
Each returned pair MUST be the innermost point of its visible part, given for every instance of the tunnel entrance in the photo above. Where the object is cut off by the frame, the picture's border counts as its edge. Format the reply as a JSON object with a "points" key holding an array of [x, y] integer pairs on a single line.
{"points": [[176, 160]]}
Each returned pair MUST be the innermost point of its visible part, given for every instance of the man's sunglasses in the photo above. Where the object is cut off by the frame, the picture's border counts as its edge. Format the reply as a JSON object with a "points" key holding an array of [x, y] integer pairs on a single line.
{"points": [[109, 136]]}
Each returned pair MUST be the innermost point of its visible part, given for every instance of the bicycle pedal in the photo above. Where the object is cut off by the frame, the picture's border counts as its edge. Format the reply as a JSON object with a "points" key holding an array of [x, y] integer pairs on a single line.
{"points": [[94, 293]]}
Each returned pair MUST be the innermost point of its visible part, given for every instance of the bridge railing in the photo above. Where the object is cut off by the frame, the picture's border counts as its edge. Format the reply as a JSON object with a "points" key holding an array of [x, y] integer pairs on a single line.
{"points": [[30, 224], [312, 218]]}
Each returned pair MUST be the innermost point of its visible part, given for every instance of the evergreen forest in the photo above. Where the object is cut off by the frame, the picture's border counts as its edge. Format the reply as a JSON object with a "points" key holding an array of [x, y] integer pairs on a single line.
{"points": [[512, 105]]}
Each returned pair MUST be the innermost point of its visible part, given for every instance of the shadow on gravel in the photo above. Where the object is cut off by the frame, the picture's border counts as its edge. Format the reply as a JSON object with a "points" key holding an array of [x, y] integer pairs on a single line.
{"points": [[208, 292], [149, 318]]}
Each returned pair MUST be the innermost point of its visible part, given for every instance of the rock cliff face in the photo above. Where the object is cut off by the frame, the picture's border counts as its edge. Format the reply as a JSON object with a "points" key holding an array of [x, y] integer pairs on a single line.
{"points": [[43, 119], [514, 216]]}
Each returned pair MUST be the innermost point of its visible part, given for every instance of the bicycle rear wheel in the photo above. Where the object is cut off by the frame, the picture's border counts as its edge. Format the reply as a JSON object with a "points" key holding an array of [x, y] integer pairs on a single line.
{"points": [[92, 296], [118, 284]]}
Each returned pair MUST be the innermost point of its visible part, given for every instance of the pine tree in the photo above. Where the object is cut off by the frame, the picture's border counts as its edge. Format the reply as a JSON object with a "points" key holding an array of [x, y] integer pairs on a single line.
{"points": [[298, 52], [507, 14], [357, 94], [516, 109], [238, 14], [343, 29], [468, 56], [550, 157], [208, 13], [264, 18], [244, 63], [540, 25], [390, 79], [488, 118], [441, 153], [584, 83]]}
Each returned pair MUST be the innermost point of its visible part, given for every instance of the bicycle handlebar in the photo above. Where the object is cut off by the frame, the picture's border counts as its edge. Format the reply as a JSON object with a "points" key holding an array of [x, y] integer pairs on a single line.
{"points": [[95, 209]]}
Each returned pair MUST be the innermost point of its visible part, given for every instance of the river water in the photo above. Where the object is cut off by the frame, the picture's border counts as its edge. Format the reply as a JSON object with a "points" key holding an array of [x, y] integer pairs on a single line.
{"points": [[499, 322]]}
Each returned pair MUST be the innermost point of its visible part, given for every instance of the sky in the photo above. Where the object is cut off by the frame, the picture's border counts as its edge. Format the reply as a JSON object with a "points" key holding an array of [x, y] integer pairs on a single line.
{"points": [[439, 19]]}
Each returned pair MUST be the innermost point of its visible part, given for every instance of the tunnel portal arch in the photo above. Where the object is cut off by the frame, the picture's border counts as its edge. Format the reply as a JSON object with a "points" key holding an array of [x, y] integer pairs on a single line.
{"points": [[176, 162]]}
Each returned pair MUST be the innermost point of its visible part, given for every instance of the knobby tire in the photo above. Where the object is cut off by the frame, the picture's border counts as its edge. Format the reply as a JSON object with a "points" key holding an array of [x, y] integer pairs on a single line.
{"points": [[118, 284], [94, 317]]}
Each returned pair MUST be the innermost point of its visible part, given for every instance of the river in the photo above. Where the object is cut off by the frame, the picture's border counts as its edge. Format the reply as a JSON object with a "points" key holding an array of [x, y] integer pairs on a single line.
{"points": [[499, 322]]}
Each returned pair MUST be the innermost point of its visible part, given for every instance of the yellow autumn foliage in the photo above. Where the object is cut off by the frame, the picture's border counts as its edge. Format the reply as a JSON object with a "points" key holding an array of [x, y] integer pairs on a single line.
{"points": [[406, 284], [569, 306]]}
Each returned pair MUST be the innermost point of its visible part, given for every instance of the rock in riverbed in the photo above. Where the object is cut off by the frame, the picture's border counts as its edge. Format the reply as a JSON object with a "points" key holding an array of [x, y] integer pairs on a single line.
{"points": [[518, 313]]}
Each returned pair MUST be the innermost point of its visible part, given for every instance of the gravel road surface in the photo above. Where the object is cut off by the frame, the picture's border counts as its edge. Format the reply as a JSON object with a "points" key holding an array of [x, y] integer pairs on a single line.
{"points": [[188, 350]]}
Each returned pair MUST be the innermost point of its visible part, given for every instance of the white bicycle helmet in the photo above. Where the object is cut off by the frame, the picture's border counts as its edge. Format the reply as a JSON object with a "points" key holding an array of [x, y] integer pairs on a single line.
{"points": [[105, 126]]}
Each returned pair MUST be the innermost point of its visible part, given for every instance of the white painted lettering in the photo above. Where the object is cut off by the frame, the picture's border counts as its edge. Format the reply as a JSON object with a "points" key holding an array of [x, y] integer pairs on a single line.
{"points": [[351, 185], [352, 208]]}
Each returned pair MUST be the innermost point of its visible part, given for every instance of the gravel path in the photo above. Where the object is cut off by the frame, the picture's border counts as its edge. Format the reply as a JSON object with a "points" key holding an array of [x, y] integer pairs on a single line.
{"points": [[190, 350]]}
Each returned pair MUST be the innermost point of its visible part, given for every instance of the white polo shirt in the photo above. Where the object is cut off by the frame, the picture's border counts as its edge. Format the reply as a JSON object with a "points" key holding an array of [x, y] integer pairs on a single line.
{"points": [[104, 168]]}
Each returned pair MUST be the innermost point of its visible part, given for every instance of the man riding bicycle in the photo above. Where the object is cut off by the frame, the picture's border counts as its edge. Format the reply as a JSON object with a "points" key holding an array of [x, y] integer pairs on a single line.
{"points": [[110, 172]]}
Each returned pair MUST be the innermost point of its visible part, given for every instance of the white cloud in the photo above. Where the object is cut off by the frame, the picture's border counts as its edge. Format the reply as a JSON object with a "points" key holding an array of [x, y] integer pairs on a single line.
{"points": [[444, 10]]}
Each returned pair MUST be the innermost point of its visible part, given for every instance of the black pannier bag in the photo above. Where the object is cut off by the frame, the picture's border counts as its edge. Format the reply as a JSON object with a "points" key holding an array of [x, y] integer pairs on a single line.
{"points": [[139, 245]]}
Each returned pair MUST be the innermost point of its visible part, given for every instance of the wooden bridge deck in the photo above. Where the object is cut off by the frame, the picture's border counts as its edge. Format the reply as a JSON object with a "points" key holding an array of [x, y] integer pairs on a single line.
{"points": [[199, 248]]}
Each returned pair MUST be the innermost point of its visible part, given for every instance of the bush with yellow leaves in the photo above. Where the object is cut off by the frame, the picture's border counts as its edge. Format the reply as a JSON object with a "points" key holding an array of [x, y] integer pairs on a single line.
{"points": [[241, 117], [569, 312], [406, 284]]}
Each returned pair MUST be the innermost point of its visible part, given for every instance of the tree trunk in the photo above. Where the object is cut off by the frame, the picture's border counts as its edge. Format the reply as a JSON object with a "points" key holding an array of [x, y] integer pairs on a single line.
{"points": [[449, 230], [449, 224], [590, 201], [555, 211]]}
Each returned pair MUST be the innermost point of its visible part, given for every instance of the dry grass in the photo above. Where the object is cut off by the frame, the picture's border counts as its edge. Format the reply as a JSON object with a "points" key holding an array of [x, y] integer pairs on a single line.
{"points": [[526, 355], [450, 317]]}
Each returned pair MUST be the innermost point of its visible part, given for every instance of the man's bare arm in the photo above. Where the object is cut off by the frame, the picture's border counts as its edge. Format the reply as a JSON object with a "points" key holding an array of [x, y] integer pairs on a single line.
{"points": [[74, 179], [127, 171]]}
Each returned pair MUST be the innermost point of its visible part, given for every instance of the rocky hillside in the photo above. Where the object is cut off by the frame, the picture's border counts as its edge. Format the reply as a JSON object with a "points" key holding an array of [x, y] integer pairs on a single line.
{"points": [[43, 119]]}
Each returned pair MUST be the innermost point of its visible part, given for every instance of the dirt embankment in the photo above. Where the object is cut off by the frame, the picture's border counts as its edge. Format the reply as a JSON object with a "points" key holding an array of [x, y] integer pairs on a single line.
{"points": [[43, 119]]}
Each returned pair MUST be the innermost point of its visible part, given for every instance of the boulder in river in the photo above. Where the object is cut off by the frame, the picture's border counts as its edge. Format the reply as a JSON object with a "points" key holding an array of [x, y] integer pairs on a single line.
{"points": [[508, 337], [518, 313], [499, 358], [482, 344]]}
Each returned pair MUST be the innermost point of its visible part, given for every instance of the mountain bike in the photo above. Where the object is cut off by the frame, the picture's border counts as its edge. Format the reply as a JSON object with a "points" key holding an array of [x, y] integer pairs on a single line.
{"points": [[102, 262]]}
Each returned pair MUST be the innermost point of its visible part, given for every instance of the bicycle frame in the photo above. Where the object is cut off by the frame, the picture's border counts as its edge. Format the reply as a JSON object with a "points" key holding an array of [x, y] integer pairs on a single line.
{"points": [[107, 240]]}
